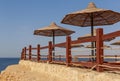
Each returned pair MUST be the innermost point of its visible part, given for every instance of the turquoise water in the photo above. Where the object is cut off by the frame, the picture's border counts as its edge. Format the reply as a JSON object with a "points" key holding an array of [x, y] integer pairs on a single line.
{"points": [[4, 62]]}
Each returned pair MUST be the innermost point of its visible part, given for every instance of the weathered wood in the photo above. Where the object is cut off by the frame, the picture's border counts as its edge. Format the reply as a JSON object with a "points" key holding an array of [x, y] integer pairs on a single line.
{"points": [[111, 35], [50, 52], [25, 50], [34, 48], [22, 55], [38, 52], [60, 44], [99, 38], [84, 64], [30, 52], [99, 50], [83, 40], [44, 47], [68, 50]]}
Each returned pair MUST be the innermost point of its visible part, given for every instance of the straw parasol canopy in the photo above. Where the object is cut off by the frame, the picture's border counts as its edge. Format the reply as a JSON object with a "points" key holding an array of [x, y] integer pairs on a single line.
{"points": [[90, 46], [92, 16], [53, 30], [48, 31], [94, 34], [73, 46], [116, 43]]}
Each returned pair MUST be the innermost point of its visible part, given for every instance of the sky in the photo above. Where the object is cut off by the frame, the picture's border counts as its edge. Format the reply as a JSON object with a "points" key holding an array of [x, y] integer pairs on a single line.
{"points": [[19, 19]]}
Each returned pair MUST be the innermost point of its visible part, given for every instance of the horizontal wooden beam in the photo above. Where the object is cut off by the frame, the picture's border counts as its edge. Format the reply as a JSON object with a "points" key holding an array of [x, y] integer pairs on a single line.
{"points": [[34, 48], [44, 47], [83, 40], [84, 64], [111, 35], [60, 44]]}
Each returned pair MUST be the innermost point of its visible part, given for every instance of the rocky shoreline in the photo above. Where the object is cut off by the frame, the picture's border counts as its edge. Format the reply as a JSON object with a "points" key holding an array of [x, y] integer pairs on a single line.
{"points": [[32, 71]]}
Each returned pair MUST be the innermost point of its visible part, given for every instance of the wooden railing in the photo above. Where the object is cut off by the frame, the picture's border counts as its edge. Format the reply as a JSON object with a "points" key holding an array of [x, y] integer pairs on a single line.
{"points": [[98, 64]]}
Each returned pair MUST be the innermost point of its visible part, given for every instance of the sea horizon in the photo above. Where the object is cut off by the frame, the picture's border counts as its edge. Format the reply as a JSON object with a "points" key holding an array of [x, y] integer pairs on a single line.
{"points": [[6, 61]]}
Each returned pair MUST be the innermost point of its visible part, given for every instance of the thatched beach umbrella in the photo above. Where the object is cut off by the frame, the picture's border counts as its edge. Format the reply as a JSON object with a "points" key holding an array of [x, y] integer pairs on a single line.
{"points": [[90, 46], [94, 34], [92, 16], [73, 46], [116, 43], [53, 30]]}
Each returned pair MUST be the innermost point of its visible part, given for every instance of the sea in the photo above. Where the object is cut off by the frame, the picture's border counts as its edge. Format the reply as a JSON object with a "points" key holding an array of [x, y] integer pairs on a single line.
{"points": [[4, 62]]}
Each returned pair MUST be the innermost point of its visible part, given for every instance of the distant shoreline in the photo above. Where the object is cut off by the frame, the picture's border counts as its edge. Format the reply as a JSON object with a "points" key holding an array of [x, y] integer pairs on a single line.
{"points": [[4, 62]]}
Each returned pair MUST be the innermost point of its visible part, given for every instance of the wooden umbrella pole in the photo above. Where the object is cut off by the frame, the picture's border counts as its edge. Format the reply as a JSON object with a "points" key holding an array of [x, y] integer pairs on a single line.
{"points": [[53, 44], [92, 34]]}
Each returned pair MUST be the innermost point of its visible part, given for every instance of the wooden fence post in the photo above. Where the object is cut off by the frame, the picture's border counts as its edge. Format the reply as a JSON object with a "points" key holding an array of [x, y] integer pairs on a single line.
{"points": [[30, 52], [99, 49], [22, 54], [50, 52], [25, 50], [38, 52], [22, 57], [68, 50]]}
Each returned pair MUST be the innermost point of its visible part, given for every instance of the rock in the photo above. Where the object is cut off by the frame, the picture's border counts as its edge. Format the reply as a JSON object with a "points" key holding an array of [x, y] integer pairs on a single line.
{"points": [[33, 71]]}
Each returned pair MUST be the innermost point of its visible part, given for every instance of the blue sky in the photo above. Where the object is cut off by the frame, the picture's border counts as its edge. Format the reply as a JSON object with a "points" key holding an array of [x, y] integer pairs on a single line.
{"points": [[19, 18]]}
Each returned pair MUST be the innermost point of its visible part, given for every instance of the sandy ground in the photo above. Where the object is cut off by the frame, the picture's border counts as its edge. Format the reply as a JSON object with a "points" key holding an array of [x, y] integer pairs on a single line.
{"points": [[23, 73]]}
